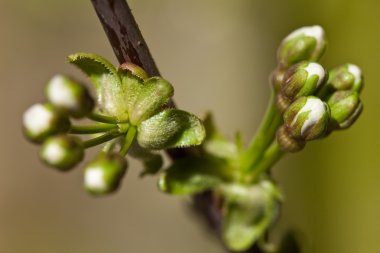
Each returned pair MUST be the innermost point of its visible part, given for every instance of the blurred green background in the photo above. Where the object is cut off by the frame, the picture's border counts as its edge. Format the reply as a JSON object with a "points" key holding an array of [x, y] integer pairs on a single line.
{"points": [[218, 55]]}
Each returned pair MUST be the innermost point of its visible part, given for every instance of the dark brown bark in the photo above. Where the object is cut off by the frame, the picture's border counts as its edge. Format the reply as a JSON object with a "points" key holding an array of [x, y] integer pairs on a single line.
{"points": [[129, 46]]}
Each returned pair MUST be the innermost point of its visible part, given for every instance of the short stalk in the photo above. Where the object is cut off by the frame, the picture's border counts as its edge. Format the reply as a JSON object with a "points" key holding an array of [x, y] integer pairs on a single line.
{"points": [[264, 136], [101, 139], [129, 138], [92, 129], [272, 155], [103, 118]]}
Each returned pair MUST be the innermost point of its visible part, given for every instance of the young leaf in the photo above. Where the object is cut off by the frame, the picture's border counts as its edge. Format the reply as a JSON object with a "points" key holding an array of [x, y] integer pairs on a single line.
{"points": [[249, 211], [111, 93], [189, 176], [169, 129], [151, 96]]}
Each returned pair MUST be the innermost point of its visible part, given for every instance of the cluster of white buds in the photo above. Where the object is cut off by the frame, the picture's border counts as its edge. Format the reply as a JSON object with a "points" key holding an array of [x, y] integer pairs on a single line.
{"points": [[49, 124], [313, 102]]}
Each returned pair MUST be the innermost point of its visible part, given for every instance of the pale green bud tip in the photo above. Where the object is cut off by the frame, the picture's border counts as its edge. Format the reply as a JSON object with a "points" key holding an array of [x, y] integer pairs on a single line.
{"points": [[307, 118], [69, 95], [346, 77], [134, 70], [62, 152], [302, 79], [345, 108], [103, 175], [42, 120], [306, 43]]}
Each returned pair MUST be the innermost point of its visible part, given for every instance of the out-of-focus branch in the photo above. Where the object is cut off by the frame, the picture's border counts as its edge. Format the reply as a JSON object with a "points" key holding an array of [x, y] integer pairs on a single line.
{"points": [[129, 46]]}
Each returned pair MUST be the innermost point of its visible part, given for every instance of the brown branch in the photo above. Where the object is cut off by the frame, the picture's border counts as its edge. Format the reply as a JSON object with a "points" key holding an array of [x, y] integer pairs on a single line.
{"points": [[129, 46]]}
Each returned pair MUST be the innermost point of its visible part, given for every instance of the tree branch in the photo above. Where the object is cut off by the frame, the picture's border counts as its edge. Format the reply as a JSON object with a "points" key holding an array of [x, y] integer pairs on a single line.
{"points": [[129, 46]]}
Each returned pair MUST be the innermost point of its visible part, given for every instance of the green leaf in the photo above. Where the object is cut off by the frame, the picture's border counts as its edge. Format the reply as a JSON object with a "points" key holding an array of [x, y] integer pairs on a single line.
{"points": [[189, 176], [149, 99], [169, 129], [249, 211], [111, 93]]}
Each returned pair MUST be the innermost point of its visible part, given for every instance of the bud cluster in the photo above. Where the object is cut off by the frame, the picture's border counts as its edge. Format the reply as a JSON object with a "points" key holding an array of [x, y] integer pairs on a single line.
{"points": [[129, 114], [313, 101], [49, 124]]}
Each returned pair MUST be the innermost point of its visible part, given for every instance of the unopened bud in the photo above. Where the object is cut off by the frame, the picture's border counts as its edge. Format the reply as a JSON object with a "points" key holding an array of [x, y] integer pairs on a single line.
{"points": [[307, 118], [43, 120], [69, 95], [134, 70], [346, 77], [62, 152], [306, 43], [345, 107], [302, 79], [104, 174]]}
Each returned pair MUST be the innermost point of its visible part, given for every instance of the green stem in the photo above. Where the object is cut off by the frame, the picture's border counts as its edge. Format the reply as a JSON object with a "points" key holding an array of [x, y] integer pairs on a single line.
{"points": [[104, 118], [272, 155], [264, 136], [129, 138], [101, 139], [92, 129], [110, 145]]}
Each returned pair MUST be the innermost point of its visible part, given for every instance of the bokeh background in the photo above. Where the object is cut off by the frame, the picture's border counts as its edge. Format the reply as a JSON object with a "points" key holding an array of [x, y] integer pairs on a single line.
{"points": [[218, 54]]}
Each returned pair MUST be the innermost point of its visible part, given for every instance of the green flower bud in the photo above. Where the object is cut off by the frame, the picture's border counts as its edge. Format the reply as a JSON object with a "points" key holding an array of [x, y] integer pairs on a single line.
{"points": [[302, 79], [307, 118], [134, 70], [69, 95], [345, 108], [104, 174], [43, 120], [62, 152], [306, 43], [346, 77]]}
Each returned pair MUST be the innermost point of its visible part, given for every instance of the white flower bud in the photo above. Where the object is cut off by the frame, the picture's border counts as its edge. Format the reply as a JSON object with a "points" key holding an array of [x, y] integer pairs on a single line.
{"points": [[306, 43], [43, 120]]}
